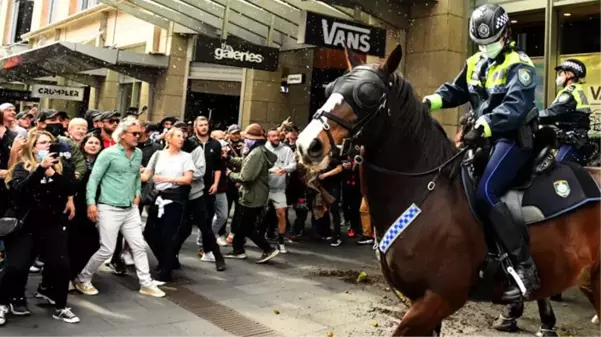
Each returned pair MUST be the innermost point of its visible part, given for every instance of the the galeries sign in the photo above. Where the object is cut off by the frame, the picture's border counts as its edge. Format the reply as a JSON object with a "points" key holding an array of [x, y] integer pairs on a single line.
{"points": [[57, 92], [233, 53], [327, 31]]}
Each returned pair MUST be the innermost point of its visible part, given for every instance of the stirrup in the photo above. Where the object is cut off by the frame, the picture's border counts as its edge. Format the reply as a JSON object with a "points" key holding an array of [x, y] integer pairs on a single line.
{"points": [[518, 280]]}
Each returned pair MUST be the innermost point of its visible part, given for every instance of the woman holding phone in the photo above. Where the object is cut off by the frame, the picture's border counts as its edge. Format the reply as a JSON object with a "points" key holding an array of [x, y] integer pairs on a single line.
{"points": [[39, 185]]}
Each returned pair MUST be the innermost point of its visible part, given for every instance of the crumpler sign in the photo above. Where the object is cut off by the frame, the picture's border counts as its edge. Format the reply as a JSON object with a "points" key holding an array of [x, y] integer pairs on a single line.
{"points": [[236, 54], [57, 92], [327, 31]]}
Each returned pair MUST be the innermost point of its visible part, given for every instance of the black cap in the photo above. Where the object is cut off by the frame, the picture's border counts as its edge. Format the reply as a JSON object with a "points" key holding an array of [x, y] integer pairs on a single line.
{"points": [[106, 115], [47, 114], [24, 114], [180, 125]]}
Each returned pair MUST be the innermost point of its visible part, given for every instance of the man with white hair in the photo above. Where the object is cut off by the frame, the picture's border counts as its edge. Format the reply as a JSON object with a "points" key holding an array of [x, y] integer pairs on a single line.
{"points": [[77, 129], [117, 173], [10, 119]]}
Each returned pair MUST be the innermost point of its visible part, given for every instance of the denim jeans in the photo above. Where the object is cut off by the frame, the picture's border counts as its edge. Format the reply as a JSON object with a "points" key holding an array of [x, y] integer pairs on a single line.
{"points": [[221, 212]]}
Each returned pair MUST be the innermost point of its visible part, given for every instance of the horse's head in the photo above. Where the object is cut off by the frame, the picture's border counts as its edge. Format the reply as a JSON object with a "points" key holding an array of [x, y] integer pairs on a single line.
{"points": [[353, 100]]}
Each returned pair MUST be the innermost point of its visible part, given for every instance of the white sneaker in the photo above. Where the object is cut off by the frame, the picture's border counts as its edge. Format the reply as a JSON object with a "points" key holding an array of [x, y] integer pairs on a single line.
{"points": [[127, 258], [221, 241], [85, 288], [34, 269], [158, 283], [282, 248], [153, 291], [66, 315], [3, 312], [208, 257]]}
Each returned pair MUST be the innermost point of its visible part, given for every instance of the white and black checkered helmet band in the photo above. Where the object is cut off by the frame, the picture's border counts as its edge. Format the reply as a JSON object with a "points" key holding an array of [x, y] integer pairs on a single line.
{"points": [[575, 66], [488, 23]]}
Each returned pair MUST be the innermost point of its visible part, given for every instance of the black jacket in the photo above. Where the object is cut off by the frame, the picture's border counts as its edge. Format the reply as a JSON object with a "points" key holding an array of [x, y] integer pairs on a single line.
{"points": [[33, 191]]}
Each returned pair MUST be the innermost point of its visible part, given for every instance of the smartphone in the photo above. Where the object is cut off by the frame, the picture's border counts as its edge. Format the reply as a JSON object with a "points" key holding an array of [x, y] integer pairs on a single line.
{"points": [[55, 149]]}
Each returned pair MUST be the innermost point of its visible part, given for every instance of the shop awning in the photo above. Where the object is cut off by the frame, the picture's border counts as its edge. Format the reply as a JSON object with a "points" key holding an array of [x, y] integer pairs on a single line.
{"points": [[272, 23], [72, 60]]}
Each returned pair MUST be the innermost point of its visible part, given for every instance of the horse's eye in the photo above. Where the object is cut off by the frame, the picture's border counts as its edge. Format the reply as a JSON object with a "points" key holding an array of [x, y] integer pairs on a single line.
{"points": [[368, 94]]}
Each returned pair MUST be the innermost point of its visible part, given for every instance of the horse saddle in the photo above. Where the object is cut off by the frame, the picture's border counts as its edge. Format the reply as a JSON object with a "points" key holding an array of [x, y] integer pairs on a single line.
{"points": [[544, 189]]}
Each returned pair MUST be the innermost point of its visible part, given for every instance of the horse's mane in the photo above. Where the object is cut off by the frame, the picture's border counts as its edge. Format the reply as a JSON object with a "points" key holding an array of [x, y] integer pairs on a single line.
{"points": [[416, 125]]}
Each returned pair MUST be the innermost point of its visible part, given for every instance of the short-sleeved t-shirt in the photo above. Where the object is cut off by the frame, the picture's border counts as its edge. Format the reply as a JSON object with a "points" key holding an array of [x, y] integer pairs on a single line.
{"points": [[170, 166]]}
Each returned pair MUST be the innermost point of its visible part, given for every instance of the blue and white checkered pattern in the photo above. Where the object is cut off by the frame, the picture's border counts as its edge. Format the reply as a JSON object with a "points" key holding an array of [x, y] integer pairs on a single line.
{"points": [[399, 226]]}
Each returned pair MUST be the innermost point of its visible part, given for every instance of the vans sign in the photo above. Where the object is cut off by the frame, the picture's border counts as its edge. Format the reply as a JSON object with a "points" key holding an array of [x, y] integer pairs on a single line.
{"points": [[57, 92], [233, 53], [327, 31]]}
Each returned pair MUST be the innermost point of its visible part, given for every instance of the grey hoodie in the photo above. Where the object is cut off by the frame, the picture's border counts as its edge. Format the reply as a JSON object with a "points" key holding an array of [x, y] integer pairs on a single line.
{"points": [[198, 157], [286, 160]]}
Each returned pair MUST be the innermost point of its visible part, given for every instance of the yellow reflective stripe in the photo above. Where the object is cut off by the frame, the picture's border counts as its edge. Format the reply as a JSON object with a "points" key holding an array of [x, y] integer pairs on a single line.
{"points": [[497, 74], [580, 96], [472, 62]]}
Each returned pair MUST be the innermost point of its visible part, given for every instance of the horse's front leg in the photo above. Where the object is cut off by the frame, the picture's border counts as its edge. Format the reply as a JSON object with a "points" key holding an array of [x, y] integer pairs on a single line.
{"points": [[425, 316]]}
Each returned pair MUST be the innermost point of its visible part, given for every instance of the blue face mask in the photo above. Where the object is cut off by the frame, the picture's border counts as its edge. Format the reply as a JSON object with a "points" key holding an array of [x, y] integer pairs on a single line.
{"points": [[42, 154]]}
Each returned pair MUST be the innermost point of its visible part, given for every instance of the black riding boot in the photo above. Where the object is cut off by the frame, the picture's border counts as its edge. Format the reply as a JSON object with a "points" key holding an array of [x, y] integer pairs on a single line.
{"points": [[512, 239]]}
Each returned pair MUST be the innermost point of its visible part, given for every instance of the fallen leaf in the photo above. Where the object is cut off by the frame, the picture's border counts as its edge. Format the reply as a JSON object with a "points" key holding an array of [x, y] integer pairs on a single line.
{"points": [[362, 276], [276, 311], [347, 292], [330, 334], [374, 324]]}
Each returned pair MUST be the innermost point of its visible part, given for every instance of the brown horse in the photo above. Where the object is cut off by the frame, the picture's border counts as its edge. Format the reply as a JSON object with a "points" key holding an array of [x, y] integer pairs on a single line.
{"points": [[408, 159]]}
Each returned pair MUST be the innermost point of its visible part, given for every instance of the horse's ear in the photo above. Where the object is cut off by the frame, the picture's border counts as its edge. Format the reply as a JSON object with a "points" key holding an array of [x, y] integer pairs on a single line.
{"points": [[393, 61], [352, 59]]}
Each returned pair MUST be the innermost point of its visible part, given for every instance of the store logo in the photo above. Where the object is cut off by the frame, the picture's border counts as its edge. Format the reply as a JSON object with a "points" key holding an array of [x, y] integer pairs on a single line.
{"points": [[596, 93], [346, 36], [227, 52]]}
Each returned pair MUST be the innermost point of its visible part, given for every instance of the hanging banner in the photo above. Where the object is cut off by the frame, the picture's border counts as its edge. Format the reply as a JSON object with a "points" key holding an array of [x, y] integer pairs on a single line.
{"points": [[592, 85]]}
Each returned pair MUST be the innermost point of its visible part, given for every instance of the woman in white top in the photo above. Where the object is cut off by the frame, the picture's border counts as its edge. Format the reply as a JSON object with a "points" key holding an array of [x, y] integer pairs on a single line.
{"points": [[171, 170]]}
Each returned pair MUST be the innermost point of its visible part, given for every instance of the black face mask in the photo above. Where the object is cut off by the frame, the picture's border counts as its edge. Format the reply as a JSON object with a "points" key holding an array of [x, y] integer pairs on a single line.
{"points": [[55, 129]]}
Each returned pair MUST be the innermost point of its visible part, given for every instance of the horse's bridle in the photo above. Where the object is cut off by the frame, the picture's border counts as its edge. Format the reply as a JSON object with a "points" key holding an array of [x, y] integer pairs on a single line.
{"points": [[355, 130]]}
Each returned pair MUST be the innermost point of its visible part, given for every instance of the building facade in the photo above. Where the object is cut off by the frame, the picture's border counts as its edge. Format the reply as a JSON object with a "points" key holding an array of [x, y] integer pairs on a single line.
{"points": [[231, 60]]}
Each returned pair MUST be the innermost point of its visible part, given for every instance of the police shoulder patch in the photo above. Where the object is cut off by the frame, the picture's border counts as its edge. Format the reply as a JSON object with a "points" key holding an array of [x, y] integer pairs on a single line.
{"points": [[525, 76]]}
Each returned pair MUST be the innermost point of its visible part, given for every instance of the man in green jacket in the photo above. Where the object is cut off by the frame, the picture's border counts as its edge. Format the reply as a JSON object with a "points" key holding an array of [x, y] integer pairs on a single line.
{"points": [[254, 191]]}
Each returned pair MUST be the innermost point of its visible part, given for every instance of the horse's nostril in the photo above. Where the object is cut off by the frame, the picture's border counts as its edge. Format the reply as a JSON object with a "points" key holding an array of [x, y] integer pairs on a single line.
{"points": [[315, 148]]}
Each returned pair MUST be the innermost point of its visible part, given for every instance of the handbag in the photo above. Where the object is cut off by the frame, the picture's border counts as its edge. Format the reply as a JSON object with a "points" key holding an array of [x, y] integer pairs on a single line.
{"points": [[150, 194], [10, 223]]}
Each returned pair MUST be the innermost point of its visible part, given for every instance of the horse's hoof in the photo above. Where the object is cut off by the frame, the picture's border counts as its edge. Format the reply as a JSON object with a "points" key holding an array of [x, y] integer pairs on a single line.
{"points": [[595, 320], [546, 333], [505, 324]]}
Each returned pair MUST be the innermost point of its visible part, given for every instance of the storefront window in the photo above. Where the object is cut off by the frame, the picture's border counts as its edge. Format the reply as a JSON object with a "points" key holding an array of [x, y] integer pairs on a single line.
{"points": [[530, 38], [580, 35]]}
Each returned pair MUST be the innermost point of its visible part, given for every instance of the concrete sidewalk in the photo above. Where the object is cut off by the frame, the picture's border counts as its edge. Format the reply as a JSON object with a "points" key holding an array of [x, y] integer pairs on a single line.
{"points": [[310, 291]]}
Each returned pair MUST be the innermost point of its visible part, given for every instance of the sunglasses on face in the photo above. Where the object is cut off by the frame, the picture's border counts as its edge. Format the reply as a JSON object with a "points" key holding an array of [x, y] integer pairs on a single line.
{"points": [[135, 134], [113, 121]]}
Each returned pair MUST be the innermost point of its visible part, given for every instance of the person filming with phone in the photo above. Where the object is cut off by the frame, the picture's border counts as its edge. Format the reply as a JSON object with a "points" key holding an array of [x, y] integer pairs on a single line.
{"points": [[40, 185]]}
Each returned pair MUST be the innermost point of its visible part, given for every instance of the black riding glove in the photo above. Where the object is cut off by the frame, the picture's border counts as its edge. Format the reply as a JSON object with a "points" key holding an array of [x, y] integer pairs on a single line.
{"points": [[474, 137]]}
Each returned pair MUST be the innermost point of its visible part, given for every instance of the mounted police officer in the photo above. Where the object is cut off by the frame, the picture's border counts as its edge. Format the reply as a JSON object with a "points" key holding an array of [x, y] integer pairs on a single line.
{"points": [[569, 111], [499, 83]]}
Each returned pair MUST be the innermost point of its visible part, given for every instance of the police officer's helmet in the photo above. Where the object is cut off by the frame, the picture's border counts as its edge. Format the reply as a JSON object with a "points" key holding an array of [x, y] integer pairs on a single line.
{"points": [[573, 65], [488, 23]]}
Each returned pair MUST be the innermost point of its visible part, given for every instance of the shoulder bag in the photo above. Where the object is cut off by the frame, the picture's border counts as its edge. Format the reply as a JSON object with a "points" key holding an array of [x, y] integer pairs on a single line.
{"points": [[11, 223], [149, 194]]}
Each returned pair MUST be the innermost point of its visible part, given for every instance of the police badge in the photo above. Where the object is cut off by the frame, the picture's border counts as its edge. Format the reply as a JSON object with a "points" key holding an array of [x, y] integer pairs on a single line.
{"points": [[562, 188]]}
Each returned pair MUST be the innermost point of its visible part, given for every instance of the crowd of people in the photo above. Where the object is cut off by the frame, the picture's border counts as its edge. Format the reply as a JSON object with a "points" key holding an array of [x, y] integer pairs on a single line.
{"points": [[99, 190]]}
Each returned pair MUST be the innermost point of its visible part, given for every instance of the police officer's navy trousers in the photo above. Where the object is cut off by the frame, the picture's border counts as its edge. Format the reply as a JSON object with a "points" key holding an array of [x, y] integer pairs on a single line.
{"points": [[500, 173]]}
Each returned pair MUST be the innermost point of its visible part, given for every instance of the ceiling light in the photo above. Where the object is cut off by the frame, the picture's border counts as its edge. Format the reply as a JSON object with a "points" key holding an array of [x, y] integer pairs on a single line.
{"points": [[514, 21], [567, 14]]}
